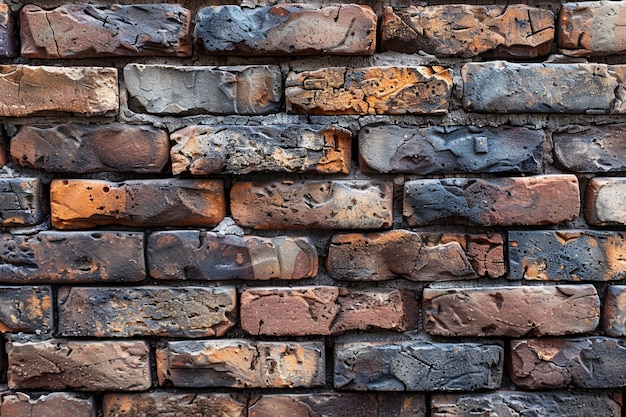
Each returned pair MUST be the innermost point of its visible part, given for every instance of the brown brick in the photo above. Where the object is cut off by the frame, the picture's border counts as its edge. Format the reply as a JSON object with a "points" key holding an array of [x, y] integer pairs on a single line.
{"points": [[532, 404], [158, 404], [339, 405], [91, 148], [4, 150], [492, 201], [287, 29], [505, 87], [592, 28], [54, 404], [416, 365], [203, 90], [375, 90], [87, 31], [614, 311], [310, 310], [511, 311], [22, 202], [604, 201], [172, 202], [9, 44], [333, 204], [509, 31], [414, 256], [25, 309], [203, 150], [592, 362], [59, 364], [241, 363], [591, 148], [54, 257], [146, 311], [208, 256], [25, 90]]}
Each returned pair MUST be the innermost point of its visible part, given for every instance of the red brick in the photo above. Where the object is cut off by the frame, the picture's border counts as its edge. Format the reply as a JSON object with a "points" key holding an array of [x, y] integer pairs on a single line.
{"points": [[375, 90], [87, 31], [22, 202], [25, 309], [605, 200], [302, 311], [511, 311], [162, 403], [172, 202], [509, 31], [25, 90], [332, 204], [286, 29], [614, 311], [54, 404]]}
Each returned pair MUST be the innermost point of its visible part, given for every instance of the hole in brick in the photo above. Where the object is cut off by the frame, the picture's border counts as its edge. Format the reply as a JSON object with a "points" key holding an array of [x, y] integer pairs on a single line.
{"points": [[106, 189]]}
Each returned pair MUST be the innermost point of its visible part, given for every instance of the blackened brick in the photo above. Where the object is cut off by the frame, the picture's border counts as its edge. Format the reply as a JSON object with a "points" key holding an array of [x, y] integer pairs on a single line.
{"points": [[22, 201], [25, 309], [161, 403], [8, 33], [591, 148]]}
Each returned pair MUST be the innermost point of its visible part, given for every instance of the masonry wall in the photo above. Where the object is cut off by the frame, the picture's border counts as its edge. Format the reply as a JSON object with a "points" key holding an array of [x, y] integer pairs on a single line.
{"points": [[321, 209]]}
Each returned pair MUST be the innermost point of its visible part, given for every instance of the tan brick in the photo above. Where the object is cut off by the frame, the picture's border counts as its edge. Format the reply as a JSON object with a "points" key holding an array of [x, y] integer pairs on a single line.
{"points": [[492, 201], [87, 31], [511, 311], [203, 150], [158, 404], [54, 404], [241, 363], [25, 309], [508, 31], [375, 90], [592, 28], [605, 200], [91, 148], [9, 44], [310, 310], [25, 90], [172, 202], [22, 202], [333, 204], [287, 29], [193, 254], [614, 311], [59, 364], [146, 311]]}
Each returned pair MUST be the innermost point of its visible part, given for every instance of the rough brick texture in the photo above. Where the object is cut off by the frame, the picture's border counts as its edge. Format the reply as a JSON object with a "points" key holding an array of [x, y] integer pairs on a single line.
{"points": [[516, 31], [9, 44], [25, 309], [78, 148], [511, 311], [614, 311], [205, 150], [445, 150], [375, 90], [25, 90], [157, 404], [241, 363], [146, 311], [359, 204], [56, 403], [22, 201], [325, 310], [287, 29], [591, 148], [88, 203], [84, 31], [604, 201], [209, 256], [492, 201], [417, 366]]}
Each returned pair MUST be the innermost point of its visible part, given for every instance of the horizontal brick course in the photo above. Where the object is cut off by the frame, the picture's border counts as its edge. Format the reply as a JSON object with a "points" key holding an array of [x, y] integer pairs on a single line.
{"points": [[22, 201], [492, 201], [79, 148], [374, 90], [591, 149], [417, 366], [157, 404], [89, 203], [146, 311], [513, 31], [57, 403], [302, 311], [60, 364], [203, 90], [26, 309], [614, 311], [204, 150], [288, 29], [241, 363], [194, 254], [511, 311], [86, 31], [447, 150], [25, 90], [604, 201], [332, 204]]}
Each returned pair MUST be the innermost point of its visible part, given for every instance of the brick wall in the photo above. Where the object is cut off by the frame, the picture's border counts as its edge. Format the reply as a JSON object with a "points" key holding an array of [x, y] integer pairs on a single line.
{"points": [[312, 210]]}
